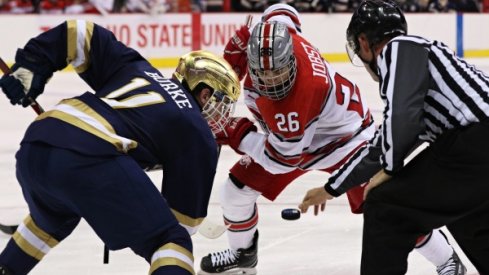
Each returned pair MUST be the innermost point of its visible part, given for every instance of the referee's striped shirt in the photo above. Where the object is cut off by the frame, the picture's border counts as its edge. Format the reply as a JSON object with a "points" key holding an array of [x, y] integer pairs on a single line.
{"points": [[426, 90]]}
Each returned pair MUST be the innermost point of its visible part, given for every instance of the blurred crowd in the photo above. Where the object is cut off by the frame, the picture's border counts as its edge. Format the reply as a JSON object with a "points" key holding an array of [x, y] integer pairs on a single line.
{"points": [[164, 6], [350, 5]]}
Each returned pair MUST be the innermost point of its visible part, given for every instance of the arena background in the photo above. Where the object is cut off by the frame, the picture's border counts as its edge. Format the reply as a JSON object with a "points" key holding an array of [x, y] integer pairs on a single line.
{"points": [[328, 244]]}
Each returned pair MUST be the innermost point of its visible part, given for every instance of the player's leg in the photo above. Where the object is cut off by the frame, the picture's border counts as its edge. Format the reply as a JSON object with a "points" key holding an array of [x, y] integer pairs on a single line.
{"points": [[472, 234], [118, 200], [436, 249], [50, 220], [433, 246], [169, 252], [425, 195], [241, 217], [123, 206], [247, 181], [468, 156], [397, 214]]}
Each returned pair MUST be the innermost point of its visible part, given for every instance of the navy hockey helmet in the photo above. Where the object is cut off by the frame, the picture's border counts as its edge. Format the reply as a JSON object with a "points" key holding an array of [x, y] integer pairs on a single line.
{"points": [[378, 20]]}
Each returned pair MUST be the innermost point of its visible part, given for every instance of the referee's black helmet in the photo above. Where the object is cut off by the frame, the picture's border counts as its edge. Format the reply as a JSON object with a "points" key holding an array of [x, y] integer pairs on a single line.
{"points": [[378, 20]]}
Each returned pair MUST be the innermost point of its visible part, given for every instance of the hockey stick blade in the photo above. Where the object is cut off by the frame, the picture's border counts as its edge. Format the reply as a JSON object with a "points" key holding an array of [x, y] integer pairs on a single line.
{"points": [[211, 230], [207, 228], [34, 105], [8, 229]]}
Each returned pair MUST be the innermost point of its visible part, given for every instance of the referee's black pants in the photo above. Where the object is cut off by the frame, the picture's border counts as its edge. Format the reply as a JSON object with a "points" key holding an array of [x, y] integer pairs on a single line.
{"points": [[446, 184]]}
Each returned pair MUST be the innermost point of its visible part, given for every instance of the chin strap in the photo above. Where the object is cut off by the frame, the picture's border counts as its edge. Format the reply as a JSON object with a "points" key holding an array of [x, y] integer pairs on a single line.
{"points": [[371, 65]]}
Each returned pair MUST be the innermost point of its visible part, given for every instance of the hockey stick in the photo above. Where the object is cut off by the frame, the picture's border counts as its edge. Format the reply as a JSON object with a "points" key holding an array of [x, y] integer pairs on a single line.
{"points": [[6, 70], [8, 229], [210, 229]]}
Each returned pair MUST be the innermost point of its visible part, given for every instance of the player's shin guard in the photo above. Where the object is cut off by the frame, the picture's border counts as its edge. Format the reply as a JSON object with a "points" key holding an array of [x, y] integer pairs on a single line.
{"points": [[28, 245], [172, 259], [240, 233], [241, 216], [169, 252], [240, 213], [436, 249]]}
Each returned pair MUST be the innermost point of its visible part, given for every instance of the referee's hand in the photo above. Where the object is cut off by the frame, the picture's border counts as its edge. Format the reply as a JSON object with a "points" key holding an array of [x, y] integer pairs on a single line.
{"points": [[375, 181], [317, 197]]}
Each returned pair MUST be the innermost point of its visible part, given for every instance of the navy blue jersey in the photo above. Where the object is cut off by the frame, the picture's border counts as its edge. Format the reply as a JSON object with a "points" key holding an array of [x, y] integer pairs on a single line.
{"points": [[134, 110]]}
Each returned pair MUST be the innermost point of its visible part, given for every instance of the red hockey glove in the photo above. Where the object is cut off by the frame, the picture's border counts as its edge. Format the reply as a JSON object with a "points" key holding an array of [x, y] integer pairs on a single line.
{"points": [[234, 132], [235, 51]]}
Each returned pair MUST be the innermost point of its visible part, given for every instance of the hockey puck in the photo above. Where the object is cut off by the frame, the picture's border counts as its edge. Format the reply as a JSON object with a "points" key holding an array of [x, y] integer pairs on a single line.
{"points": [[291, 214]]}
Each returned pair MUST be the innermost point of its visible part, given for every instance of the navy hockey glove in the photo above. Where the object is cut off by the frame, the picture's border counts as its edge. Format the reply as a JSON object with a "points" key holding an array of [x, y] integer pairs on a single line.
{"points": [[234, 132], [12, 88], [28, 78]]}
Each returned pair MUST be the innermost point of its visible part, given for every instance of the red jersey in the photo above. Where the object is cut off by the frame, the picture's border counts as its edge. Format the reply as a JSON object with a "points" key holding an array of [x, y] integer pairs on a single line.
{"points": [[321, 120]]}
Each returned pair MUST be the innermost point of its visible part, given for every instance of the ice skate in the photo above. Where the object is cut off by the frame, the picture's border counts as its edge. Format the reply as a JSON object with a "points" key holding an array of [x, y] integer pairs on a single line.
{"points": [[230, 262], [453, 266]]}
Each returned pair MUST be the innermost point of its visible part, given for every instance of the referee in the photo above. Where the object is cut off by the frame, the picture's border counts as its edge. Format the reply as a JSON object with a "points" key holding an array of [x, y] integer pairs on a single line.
{"points": [[433, 96]]}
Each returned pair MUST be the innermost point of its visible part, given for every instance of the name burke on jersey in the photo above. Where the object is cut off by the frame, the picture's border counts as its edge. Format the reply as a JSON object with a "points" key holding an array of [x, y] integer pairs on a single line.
{"points": [[173, 90]]}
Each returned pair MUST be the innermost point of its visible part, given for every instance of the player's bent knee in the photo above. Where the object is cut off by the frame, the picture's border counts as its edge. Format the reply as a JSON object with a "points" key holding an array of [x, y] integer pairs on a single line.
{"points": [[233, 196], [170, 251]]}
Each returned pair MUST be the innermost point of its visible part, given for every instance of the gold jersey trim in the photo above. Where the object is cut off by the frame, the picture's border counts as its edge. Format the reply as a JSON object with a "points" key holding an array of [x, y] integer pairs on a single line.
{"points": [[186, 220], [80, 115], [172, 254], [33, 240]]}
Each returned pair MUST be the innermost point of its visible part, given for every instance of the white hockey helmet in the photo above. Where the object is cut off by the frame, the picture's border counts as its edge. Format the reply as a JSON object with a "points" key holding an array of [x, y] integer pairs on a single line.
{"points": [[271, 60], [283, 13]]}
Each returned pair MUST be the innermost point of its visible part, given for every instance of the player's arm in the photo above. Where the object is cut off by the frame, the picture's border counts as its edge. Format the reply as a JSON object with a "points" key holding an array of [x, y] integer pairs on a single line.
{"points": [[242, 136], [358, 169], [291, 132], [403, 91], [276, 153], [189, 170], [93, 51]]}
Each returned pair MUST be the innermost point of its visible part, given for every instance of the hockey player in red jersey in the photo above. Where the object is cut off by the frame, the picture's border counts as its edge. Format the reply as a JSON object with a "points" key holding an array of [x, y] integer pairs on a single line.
{"points": [[313, 118]]}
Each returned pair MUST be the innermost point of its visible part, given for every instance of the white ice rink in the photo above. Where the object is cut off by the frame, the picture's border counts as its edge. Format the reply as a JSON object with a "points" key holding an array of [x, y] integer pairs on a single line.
{"points": [[327, 244]]}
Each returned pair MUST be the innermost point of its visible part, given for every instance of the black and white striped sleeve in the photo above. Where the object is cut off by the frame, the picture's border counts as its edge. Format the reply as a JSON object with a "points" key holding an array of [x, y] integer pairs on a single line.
{"points": [[358, 169], [404, 83]]}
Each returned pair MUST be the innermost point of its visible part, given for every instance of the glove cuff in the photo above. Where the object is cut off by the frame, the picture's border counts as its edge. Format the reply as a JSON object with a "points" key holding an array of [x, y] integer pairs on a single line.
{"points": [[33, 63]]}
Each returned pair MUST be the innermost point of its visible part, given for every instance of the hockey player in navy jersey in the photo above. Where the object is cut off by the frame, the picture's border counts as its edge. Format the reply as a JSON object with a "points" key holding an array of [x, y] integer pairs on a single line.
{"points": [[86, 158]]}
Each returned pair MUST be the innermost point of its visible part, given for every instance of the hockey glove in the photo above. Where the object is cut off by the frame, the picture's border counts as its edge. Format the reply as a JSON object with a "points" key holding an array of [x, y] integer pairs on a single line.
{"points": [[27, 80], [235, 51], [234, 132]]}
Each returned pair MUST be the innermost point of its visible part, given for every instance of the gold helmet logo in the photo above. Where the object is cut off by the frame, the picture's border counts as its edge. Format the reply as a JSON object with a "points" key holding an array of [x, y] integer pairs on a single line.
{"points": [[205, 67]]}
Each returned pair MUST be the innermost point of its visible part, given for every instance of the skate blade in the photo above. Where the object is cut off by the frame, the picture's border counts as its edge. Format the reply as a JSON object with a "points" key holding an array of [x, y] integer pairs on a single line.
{"points": [[241, 271]]}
